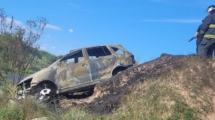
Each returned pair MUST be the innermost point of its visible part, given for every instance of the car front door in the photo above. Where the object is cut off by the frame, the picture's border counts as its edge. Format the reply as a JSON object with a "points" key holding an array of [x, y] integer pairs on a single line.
{"points": [[74, 70]]}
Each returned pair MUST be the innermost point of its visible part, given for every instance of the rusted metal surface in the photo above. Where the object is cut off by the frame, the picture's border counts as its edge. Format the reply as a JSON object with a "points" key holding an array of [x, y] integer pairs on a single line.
{"points": [[81, 68]]}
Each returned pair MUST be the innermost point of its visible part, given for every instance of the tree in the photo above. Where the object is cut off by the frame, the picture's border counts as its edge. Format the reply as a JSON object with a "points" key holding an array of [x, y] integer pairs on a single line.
{"points": [[17, 44], [44, 60]]}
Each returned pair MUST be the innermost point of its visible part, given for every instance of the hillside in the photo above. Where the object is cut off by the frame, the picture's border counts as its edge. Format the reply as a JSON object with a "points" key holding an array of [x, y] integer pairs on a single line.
{"points": [[169, 87]]}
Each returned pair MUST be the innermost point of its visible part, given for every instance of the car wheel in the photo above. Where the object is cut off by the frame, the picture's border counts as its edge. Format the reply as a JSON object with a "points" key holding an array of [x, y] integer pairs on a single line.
{"points": [[117, 72], [45, 95]]}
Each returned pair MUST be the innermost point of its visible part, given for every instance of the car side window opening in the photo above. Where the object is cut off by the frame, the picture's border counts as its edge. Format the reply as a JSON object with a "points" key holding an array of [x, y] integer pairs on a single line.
{"points": [[97, 52], [118, 51], [74, 57]]}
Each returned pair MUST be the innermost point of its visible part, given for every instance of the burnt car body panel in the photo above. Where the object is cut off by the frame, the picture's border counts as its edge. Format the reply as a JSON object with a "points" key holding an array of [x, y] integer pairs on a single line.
{"points": [[80, 69]]}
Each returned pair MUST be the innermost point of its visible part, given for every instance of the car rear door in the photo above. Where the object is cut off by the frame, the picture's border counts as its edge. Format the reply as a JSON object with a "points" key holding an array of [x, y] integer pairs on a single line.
{"points": [[101, 62]]}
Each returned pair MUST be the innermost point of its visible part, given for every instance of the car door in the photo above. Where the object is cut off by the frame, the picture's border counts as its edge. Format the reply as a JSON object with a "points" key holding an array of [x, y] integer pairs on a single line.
{"points": [[74, 70], [101, 62]]}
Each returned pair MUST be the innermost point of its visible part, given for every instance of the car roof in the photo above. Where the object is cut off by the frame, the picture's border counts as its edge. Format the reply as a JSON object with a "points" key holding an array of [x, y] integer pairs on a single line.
{"points": [[92, 47]]}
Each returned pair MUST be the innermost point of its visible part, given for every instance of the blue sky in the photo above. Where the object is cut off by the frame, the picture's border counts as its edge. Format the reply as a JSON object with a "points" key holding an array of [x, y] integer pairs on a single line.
{"points": [[147, 28]]}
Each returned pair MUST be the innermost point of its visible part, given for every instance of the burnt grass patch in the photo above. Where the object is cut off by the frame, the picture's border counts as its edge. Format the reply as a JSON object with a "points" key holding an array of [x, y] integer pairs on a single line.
{"points": [[108, 94], [116, 87]]}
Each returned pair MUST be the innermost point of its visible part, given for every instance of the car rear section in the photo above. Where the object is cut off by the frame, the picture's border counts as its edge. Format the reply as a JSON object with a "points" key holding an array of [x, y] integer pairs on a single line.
{"points": [[125, 59]]}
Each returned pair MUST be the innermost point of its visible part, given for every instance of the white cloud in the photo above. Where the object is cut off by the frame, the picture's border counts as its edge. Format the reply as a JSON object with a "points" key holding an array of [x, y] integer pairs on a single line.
{"points": [[53, 47], [47, 36], [43, 48], [19, 23], [71, 30], [8, 20], [47, 47], [53, 27], [16, 22], [173, 20]]}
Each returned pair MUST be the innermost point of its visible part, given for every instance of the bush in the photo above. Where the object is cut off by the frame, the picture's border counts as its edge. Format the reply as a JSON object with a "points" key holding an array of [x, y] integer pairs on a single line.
{"points": [[11, 113]]}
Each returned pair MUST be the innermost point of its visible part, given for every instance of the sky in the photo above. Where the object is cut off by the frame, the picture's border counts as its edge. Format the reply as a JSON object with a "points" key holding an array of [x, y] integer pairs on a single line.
{"points": [[146, 28]]}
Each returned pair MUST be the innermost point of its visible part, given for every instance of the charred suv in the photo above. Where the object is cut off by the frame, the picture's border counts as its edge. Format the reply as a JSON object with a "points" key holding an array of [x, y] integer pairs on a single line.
{"points": [[77, 71]]}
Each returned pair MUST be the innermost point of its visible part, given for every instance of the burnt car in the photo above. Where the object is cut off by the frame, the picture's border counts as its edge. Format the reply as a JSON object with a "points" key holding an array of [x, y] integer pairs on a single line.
{"points": [[79, 70]]}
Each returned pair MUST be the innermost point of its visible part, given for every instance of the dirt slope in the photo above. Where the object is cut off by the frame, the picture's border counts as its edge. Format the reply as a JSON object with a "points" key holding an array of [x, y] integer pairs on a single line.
{"points": [[174, 68]]}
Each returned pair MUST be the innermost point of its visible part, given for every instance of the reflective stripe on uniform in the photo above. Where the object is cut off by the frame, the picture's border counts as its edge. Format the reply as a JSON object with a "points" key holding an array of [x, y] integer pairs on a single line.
{"points": [[212, 26], [209, 36]]}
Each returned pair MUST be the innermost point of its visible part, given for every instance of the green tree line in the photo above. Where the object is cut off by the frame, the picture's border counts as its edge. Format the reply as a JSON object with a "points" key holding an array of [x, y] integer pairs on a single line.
{"points": [[19, 54]]}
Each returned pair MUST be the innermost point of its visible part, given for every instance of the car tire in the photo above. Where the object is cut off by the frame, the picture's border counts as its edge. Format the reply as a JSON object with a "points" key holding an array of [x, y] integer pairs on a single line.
{"points": [[117, 72], [45, 95]]}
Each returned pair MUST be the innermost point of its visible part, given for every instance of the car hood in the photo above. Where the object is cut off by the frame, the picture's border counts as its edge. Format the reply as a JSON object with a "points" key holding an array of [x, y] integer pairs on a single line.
{"points": [[45, 70], [34, 75]]}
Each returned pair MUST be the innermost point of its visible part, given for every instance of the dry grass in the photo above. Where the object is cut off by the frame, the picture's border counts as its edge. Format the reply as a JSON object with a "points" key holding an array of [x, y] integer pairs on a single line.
{"points": [[184, 91], [12, 109]]}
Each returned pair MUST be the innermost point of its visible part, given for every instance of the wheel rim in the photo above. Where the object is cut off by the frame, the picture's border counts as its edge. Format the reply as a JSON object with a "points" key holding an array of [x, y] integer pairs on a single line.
{"points": [[44, 94]]}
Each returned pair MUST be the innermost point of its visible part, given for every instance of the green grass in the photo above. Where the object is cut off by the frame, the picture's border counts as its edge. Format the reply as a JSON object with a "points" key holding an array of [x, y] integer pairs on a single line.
{"points": [[19, 110]]}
